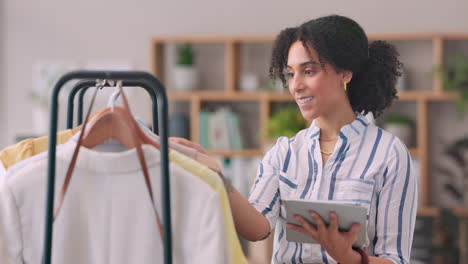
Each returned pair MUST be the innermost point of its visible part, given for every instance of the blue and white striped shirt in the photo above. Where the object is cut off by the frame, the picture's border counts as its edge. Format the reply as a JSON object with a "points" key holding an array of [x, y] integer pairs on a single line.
{"points": [[369, 166]]}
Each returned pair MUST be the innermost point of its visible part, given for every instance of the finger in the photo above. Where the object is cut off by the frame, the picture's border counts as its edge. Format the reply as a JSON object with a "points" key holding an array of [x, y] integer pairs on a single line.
{"points": [[318, 221], [182, 141], [178, 140], [305, 224], [188, 143], [296, 228], [301, 229], [353, 232], [333, 222]]}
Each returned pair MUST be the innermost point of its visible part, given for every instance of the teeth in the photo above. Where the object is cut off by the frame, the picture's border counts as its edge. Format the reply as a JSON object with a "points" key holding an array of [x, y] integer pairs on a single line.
{"points": [[305, 100]]}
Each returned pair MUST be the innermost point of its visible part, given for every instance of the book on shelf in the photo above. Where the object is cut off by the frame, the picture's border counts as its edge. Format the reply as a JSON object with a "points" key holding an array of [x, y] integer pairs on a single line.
{"points": [[234, 131], [218, 134], [220, 130], [204, 120]]}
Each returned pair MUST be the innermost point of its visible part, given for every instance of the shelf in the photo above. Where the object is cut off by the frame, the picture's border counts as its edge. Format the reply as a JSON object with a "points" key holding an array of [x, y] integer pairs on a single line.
{"points": [[414, 152], [444, 96], [215, 39], [271, 38], [279, 96], [427, 95], [402, 37], [434, 211], [460, 211], [242, 153], [428, 212], [191, 39], [214, 96], [179, 96]]}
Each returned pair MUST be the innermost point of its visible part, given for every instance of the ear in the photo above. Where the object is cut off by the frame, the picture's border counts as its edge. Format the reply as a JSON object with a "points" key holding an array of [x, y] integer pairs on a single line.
{"points": [[347, 76]]}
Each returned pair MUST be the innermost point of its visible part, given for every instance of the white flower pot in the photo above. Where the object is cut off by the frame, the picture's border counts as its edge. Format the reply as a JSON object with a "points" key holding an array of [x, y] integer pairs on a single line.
{"points": [[403, 132], [185, 78], [249, 82]]}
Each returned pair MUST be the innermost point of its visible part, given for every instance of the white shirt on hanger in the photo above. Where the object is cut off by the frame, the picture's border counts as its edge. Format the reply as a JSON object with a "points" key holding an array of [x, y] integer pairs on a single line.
{"points": [[107, 215], [2, 173]]}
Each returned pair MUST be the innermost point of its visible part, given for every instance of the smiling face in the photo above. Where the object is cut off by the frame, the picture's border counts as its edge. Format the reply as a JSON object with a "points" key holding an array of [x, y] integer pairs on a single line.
{"points": [[318, 89]]}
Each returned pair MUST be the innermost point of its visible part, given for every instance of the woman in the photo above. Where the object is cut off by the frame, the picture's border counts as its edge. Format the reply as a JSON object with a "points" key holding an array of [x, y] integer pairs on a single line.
{"points": [[335, 76]]}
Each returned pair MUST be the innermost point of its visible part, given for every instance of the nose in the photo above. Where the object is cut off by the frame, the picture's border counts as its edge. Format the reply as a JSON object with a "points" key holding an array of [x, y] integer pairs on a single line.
{"points": [[296, 84]]}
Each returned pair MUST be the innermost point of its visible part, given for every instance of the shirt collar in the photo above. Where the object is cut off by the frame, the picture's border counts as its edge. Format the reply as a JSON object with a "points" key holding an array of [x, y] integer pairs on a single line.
{"points": [[353, 129]]}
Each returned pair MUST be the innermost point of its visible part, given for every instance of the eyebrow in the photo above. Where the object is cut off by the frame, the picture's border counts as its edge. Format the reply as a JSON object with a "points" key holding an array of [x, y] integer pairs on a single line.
{"points": [[311, 62]]}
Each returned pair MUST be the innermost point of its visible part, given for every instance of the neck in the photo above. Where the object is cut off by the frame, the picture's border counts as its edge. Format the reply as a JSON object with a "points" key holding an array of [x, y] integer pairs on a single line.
{"points": [[331, 123]]}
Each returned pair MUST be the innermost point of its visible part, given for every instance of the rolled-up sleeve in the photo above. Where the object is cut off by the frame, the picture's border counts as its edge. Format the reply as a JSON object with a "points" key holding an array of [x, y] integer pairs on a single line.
{"points": [[397, 207], [265, 194]]}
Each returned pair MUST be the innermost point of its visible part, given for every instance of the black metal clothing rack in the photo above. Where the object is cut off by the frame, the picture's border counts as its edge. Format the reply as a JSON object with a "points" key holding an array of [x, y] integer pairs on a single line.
{"points": [[84, 85], [152, 85]]}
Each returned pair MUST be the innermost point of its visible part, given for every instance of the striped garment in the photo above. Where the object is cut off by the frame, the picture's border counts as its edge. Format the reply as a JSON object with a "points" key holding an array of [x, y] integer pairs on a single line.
{"points": [[369, 166]]}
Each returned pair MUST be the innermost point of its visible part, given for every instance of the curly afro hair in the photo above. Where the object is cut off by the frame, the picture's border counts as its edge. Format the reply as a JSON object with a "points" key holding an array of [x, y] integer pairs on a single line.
{"points": [[342, 43]]}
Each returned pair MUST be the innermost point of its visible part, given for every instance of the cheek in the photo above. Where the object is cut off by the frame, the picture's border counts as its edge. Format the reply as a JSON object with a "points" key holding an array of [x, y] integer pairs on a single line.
{"points": [[327, 92], [319, 86]]}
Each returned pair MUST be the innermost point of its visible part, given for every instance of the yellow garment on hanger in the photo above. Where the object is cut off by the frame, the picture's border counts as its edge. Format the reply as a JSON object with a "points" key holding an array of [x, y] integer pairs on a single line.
{"points": [[213, 179], [27, 148]]}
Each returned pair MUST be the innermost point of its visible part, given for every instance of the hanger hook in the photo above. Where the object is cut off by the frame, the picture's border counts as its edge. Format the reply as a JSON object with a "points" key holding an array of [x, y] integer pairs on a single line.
{"points": [[100, 83], [113, 98]]}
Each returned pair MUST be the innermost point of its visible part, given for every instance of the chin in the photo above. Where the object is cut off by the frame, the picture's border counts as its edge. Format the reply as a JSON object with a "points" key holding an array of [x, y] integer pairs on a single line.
{"points": [[309, 116]]}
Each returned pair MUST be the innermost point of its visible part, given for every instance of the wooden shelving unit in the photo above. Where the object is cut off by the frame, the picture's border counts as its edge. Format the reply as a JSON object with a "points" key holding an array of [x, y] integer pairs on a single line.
{"points": [[231, 93]]}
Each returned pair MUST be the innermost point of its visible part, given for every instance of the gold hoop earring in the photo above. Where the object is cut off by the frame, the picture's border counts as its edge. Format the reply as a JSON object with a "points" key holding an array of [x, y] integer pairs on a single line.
{"points": [[344, 85]]}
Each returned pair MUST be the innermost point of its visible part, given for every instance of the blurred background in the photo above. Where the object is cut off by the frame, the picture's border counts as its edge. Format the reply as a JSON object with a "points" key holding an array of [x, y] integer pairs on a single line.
{"points": [[213, 57]]}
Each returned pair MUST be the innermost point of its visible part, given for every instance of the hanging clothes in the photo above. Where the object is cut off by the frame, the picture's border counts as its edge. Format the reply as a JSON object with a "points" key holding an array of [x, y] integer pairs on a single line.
{"points": [[33, 146], [13, 154], [107, 215], [191, 166], [213, 179]]}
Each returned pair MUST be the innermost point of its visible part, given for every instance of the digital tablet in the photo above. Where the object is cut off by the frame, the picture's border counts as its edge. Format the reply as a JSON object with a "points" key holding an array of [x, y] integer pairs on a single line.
{"points": [[348, 214]]}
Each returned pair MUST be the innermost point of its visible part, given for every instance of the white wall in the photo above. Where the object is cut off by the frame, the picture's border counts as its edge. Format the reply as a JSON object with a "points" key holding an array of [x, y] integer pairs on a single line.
{"points": [[121, 30], [3, 126]]}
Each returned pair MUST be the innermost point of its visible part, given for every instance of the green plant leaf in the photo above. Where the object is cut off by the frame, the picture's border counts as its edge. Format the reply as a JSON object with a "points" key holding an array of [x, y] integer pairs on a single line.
{"points": [[185, 55], [455, 78], [394, 118], [286, 122]]}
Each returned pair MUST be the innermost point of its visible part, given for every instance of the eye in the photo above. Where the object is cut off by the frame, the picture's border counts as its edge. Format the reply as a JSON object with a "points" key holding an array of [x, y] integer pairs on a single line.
{"points": [[309, 72], [289, 75]]}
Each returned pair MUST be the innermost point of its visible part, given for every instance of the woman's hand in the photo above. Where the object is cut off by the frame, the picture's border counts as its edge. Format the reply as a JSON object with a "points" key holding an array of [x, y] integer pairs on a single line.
{"points": [[337, 244], [189, 144]]}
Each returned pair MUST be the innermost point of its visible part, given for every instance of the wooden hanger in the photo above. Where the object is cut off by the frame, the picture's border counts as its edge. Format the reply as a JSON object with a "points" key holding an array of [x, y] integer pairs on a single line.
{"points": [[114, 124], [91, 119]]}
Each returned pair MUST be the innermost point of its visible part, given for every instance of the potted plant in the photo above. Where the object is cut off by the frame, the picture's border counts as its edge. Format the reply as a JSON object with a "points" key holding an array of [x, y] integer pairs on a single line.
{"points": [[455, 170], [455, 78], [448, 228], [399, 126], [285, 122], [185, 74]]}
